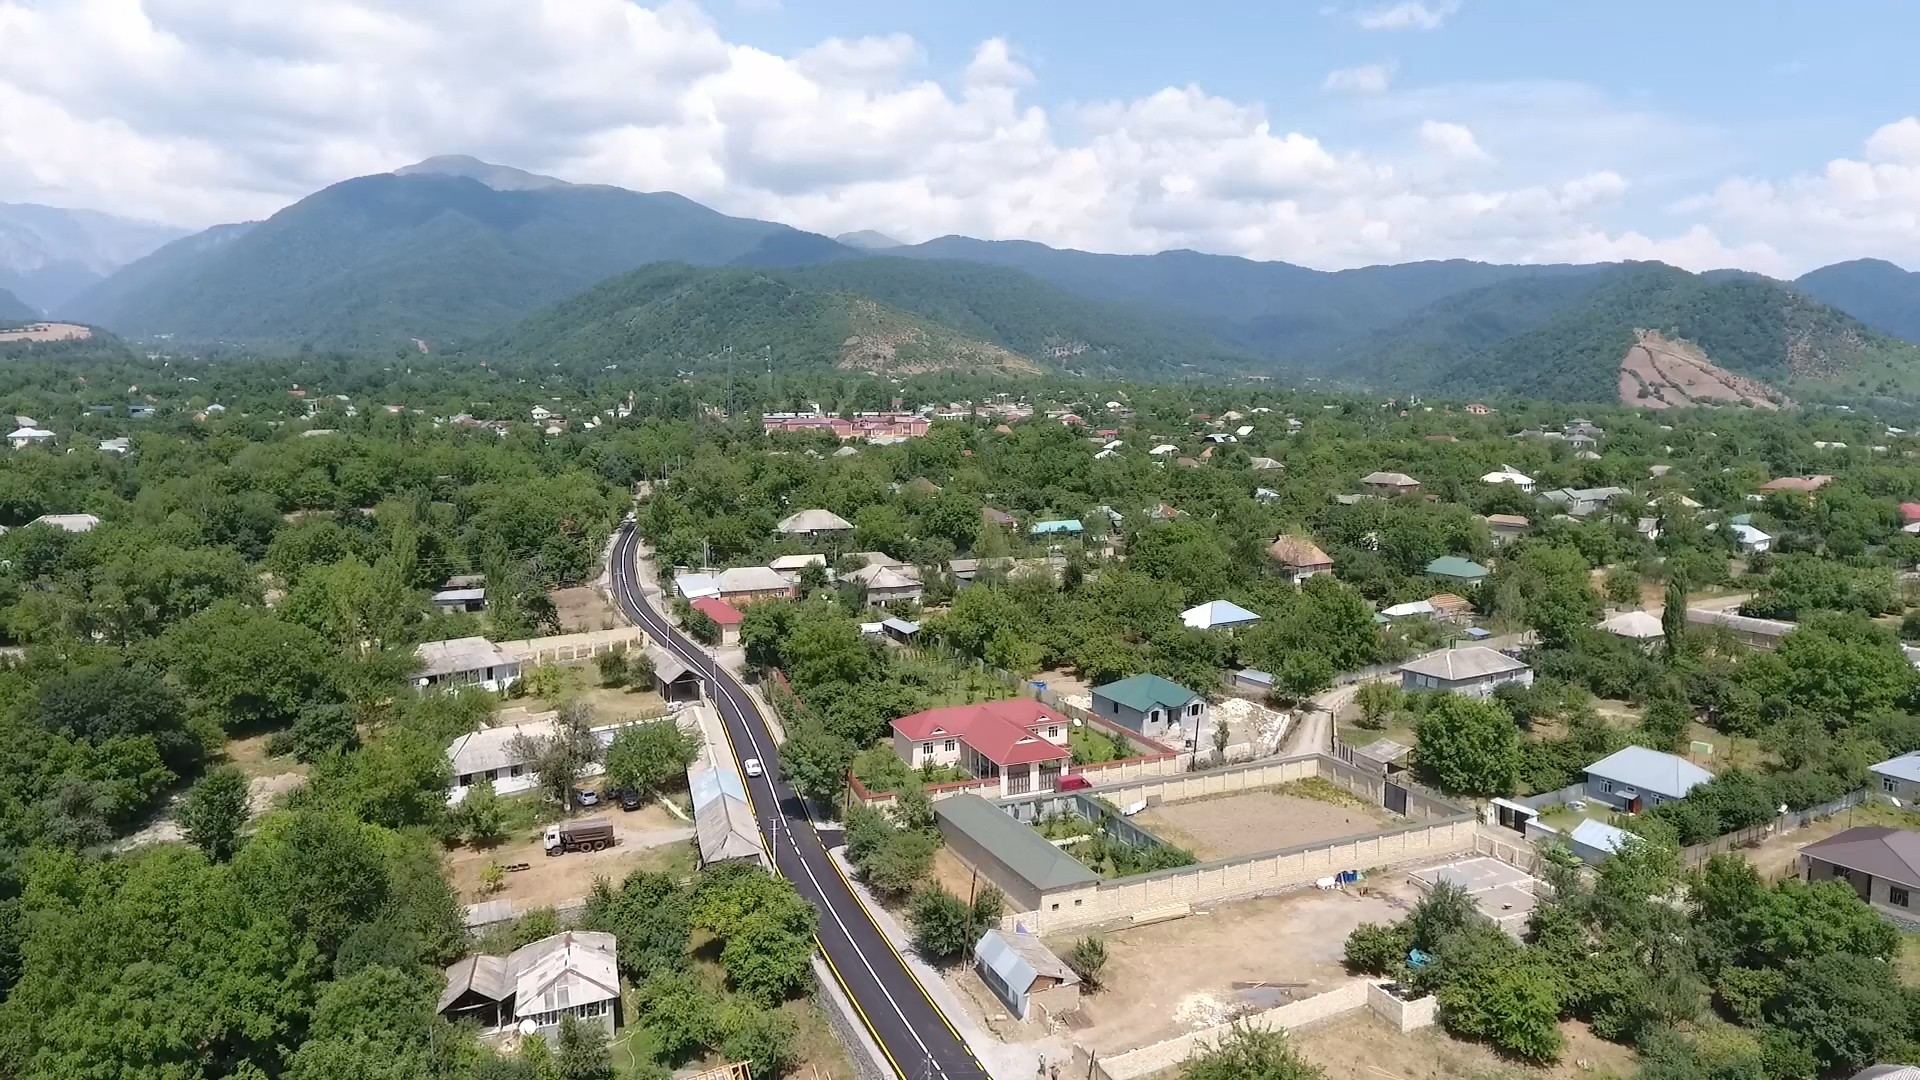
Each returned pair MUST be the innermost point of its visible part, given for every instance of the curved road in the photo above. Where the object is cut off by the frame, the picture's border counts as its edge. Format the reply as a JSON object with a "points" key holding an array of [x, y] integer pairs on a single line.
{"points": [[911, 1030]]}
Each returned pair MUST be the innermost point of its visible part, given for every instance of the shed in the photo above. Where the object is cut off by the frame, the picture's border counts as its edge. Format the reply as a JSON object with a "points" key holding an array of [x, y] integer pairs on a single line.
{"points": [[1032, 873], [1023, 973], [723, 823]]}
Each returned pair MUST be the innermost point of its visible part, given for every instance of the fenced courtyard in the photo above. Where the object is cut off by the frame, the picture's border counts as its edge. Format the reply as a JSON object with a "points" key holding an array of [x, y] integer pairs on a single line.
{"points": [[1249, 822]]}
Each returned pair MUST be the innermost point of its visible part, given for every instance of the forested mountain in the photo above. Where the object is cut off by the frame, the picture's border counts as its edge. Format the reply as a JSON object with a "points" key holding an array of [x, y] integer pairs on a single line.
{"points": [[678, 317], [14, 309], [1566, 339], [1274, 308], [1874, 291], [48, 254], [433, 253]]}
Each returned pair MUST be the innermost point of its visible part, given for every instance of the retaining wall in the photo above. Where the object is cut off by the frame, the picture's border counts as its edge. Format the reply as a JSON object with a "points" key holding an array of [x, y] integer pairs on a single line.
{"points": [[562, 648]]}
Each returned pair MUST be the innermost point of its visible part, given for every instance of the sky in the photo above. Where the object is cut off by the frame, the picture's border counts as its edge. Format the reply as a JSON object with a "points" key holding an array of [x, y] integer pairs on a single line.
{"points": [[1775, 136]]}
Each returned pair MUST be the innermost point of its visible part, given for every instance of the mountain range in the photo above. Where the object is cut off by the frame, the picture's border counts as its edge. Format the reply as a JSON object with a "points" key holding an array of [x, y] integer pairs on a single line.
{"points": [[47, 254], [456, 253]]}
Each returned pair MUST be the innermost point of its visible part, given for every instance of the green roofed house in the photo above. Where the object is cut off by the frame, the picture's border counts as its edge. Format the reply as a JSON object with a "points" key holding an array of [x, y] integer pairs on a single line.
{"points": [[1032, 873], [1065, 526], [1154, 707], [1455, 568]]}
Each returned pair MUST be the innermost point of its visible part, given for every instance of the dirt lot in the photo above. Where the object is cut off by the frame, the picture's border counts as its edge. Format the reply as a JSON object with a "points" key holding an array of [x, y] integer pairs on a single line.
{"points": [[1249, 822], [582, 608], [1173, 977], [1360, 1045], [47, 332], [1064, 682], [649, 839]]}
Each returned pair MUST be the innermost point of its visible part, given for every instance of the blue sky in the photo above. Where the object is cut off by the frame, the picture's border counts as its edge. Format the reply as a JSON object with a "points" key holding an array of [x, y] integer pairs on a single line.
{"points": [[1774, 136]]}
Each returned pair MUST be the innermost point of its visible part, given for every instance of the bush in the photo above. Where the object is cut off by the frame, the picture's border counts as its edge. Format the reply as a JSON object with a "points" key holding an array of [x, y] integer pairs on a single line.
{"points": [[1373, 949], [613, 669], [941, 922]]}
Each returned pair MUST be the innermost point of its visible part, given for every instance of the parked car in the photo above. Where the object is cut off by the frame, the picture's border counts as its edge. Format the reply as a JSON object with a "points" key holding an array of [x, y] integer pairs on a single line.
{"points": [[753, 767], [1072, 783], [630, 799], [587, 797]]}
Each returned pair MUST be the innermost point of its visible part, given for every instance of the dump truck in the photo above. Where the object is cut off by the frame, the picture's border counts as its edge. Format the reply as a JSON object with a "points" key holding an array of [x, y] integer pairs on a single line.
{"points": [[593, 834]]}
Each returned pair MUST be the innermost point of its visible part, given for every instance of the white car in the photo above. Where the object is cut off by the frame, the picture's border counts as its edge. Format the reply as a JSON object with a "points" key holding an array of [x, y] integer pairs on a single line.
{"points": [[753, 767]]}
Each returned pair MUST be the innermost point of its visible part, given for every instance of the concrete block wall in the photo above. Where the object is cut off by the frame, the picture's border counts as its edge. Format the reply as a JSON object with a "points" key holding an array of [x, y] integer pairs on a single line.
{"points": [[1247, 875], [562, 648], [1165, 1055], [1405, 1015]]}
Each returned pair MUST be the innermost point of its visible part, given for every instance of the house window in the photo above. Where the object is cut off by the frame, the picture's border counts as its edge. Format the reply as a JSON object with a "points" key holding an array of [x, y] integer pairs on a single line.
{"points": [[1606, 786], [926, 749], [1896, 896], [1055, 907], [1839, 871], [518, 769], [1194, 709], [950, 746], [1053, 731], [1889, 785]]}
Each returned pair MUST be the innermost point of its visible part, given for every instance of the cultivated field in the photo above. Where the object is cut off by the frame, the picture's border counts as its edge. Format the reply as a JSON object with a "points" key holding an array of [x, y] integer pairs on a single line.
{"points": [[46, 331], [1250, 822], [1170, 978]]}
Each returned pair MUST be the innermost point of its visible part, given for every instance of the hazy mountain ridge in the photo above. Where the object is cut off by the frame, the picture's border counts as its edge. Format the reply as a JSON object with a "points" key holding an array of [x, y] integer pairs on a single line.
{"points": [[48, 254]]}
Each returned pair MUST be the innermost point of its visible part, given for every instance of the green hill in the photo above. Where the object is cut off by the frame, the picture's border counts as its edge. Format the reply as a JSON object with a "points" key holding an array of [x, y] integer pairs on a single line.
{"points": [[678, 317], [1565, 340], [15, 310], [1876, 292], [434, 253]]}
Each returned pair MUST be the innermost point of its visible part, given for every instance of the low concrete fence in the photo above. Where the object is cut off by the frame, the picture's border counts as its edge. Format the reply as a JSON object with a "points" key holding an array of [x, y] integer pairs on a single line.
{"points": [[1250, 776], [563, 648], [1341, 1000]]}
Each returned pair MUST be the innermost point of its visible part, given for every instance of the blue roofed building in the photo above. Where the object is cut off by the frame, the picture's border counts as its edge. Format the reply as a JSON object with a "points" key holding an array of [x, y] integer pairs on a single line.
{"points": [[1025, 975], [1060, 527]]}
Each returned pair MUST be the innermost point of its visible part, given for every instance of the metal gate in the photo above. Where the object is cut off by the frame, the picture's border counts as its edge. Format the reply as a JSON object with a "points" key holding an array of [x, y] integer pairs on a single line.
{"points": [[1396, 798]]}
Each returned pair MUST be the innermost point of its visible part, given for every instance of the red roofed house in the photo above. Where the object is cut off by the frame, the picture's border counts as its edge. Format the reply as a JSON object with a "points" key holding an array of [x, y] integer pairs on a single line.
{"points": [[724, 615], [1910, 512], [1019, 740]]}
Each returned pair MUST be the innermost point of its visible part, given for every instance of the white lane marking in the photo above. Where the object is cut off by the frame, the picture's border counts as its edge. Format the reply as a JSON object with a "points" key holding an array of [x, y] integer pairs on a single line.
{"points": [[832, 909]]}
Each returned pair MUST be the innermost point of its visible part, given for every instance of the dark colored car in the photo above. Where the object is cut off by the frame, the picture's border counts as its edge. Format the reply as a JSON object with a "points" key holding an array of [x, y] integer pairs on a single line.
{"points": [[629, 799]]}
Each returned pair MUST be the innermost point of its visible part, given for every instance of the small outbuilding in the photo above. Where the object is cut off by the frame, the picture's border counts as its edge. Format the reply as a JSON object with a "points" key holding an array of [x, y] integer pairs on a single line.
{"points": [[1025, 975]]}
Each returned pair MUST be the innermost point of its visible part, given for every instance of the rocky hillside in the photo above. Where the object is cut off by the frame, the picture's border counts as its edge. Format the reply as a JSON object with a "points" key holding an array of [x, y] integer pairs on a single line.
{"points": [[1663, 373]]}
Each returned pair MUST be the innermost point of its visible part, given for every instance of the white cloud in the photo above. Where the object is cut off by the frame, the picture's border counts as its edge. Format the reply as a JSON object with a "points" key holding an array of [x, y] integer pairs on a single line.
{"points": [[1364, 79], [196, 111], [1454, 141], [1852, 207], [1408, 15]]}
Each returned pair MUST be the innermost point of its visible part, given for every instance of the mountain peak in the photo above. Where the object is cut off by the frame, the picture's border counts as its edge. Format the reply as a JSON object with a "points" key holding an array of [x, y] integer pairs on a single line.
{"points": [[497, 177], [868, 240]]}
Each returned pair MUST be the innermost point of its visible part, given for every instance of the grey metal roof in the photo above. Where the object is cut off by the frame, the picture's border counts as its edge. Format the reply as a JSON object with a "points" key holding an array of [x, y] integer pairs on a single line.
{"points": [[1650, 771], [1905, 767], [723, 823], [1880, 850], [563, 971], [1599, 835], [460, 654], [812, 521], [1020, 848], [1018, 959], [487, 976], [1467, 662]]}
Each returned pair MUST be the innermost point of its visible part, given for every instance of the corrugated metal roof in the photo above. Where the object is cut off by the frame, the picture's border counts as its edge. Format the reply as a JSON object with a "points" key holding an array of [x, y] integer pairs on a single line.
{"points": [[1020, 848], [1650, 771]]}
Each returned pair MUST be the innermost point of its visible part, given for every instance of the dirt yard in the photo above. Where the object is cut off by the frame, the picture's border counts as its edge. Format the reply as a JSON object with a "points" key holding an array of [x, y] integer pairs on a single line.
{"points": [[649, 838], [1360, 1045], [1170, 978], [583, 608], [1249, 822], [45, 331]]}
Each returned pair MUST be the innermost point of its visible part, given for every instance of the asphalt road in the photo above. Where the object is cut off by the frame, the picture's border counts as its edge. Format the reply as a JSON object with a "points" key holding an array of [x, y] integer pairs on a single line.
{"points": [[909, 1027]]}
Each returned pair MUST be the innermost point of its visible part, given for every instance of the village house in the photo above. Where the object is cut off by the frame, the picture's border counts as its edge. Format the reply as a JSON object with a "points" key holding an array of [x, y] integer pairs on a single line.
{"points": [[724, 615], [790, 567], [1389, 483], [739, 585], [814, 525], [462, 592], [1899, 777], [882, 584], [1470, 671], [24, 436], [1506, 528], [1583, 502], [1635, 778], [1299, 558], [1149, 705], [1218, 615], [570, 974], [463, 662], [73, 523], [1882, 864], [1507, 474], [991, 516], [1018, 740], [1455, 568]]}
